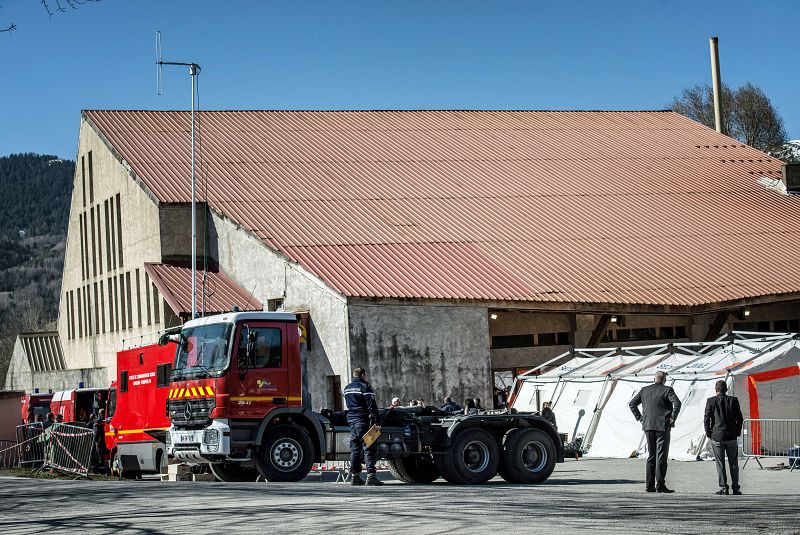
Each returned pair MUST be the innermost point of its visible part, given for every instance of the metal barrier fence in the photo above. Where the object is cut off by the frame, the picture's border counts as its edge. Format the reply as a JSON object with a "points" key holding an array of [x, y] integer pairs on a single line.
{"points": [[31, 445], [9, 454], [69, 448], [771, 438]]}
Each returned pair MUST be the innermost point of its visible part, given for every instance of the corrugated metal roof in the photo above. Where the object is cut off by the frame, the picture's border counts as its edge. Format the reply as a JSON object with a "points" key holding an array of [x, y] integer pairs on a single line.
{"points": [[43, 351], [555, 206], [221, 293]]}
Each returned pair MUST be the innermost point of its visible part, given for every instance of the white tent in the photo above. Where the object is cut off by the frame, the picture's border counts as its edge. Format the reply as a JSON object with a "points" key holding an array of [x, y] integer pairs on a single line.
{"points": [[590, 391]]}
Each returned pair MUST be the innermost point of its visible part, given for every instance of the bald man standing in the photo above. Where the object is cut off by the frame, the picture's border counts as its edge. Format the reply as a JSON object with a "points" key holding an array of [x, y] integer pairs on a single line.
{"points": [[661, 406]]}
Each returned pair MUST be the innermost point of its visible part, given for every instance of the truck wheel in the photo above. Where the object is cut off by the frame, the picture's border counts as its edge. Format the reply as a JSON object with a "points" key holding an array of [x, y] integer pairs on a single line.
{"points": [[414, 469], [233, 473], [117, 468], [529, 456], [472, 458], [286, 454]]}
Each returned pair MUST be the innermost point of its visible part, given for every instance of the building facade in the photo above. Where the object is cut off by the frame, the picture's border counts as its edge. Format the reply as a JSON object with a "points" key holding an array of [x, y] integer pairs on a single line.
{"points": [[443, 251]]}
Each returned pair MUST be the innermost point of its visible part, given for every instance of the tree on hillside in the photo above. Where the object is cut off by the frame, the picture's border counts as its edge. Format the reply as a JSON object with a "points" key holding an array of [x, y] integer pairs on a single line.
{"points": [[749, 116]]}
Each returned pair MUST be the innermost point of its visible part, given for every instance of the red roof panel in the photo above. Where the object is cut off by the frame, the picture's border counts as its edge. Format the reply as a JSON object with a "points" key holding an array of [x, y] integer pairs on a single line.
{"points": [[570, 207], [221, 293]]}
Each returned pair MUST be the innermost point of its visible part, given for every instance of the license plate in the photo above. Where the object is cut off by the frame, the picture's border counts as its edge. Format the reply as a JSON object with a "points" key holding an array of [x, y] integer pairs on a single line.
{"points": [[186, 438]]}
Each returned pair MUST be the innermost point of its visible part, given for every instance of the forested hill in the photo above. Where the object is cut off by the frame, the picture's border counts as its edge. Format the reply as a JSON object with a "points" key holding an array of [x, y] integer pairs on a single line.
{"points": [[35, 190]]}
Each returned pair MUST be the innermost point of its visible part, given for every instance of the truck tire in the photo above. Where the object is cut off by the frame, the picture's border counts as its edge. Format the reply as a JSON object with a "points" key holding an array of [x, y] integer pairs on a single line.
{"points": [[414, 469], [529, 456], [285, 454], [472, 458], [233, 473]]}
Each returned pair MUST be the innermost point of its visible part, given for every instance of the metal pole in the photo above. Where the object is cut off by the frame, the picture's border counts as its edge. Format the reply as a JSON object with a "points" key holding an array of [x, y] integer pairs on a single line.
{"points": [[193, 72], [715, 78]]}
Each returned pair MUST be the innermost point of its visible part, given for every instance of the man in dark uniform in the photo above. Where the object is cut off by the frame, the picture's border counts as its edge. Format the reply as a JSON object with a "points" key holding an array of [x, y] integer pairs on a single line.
{"points": [[362, 413], [661, 407], [723, 423], [99, 442]]}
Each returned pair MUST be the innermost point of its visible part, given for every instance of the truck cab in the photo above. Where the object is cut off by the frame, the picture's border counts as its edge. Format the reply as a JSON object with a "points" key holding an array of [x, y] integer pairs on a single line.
{"points": [[233, 374], [35, 404]]}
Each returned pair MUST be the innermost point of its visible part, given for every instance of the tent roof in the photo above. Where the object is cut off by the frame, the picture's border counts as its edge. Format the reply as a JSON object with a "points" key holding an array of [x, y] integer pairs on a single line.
{"points": [[735, 352]]}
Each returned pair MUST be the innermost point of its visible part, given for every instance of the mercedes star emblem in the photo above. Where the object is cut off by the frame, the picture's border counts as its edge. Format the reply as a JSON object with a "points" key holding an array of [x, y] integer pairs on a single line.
{"points": [[187, 410]]}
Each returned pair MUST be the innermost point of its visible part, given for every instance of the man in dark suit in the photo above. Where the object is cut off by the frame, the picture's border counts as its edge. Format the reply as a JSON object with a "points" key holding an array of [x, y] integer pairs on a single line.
{"points": [[723, 422], [661, 407]]}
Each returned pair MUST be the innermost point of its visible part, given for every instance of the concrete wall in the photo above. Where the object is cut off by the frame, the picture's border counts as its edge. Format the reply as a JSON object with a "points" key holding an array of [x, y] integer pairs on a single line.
{"points": [[413, 351], [175, 230], [268, 275], [10, 415], [139, 216], [20, 375]]}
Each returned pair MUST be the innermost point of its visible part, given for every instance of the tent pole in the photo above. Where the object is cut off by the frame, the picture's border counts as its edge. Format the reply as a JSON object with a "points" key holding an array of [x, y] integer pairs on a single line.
{"points": [[595, 417]]}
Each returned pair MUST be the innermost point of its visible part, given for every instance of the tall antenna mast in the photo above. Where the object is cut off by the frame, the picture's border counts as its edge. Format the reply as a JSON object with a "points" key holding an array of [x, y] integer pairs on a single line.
{"points": [[194, 70]]}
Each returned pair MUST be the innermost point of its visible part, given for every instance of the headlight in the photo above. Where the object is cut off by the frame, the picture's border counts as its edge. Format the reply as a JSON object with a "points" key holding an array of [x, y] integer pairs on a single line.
{"points": [[211, 439], [168, 441]]}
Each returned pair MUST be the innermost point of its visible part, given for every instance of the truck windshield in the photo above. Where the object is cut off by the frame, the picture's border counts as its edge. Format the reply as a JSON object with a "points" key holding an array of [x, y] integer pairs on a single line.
{"points": [[203, 349]]}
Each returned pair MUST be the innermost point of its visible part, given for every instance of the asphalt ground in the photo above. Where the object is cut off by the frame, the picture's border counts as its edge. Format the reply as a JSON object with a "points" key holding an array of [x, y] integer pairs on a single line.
{"points": [[602, 496]]}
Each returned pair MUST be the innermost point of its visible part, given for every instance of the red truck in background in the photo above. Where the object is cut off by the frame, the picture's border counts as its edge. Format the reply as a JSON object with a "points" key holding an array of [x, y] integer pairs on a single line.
{"points": [[136, 416], [78, 404], [36, 403]]}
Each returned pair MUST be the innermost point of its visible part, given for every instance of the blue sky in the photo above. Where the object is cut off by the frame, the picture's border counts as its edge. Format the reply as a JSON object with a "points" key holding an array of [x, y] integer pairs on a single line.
{"points": [[401, 54]]}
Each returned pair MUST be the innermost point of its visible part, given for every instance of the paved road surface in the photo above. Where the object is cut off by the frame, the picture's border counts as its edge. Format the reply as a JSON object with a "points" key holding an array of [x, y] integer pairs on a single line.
{"points": [[601, 496]]}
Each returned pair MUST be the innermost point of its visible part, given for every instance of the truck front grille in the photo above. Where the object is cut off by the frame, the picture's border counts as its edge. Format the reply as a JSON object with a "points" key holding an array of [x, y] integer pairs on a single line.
{"points": [[191, 412]]}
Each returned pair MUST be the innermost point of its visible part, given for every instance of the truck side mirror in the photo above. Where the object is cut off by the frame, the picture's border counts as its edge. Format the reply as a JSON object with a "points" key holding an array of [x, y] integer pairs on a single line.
{"points": [[243, 358], [163, 339]]}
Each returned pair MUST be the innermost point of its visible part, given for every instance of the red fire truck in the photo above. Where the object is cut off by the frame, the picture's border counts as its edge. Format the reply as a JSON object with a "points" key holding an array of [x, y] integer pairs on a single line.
{"points": [[136, 414], [235, 402], [34, 404], [78, 404]]}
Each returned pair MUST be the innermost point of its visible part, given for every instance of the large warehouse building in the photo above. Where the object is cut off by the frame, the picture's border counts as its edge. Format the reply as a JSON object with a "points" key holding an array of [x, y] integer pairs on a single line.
{"points": [[442, 250]]}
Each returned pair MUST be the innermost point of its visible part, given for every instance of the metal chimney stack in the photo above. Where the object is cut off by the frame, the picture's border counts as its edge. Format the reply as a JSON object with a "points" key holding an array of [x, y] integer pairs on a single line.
{"points": [[713, 43]]}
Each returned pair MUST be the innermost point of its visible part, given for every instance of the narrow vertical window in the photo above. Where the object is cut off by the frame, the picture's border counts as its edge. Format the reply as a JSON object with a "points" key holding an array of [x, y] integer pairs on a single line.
{"points": [[83, 265], [108, 239], [83, 179], [80, 313], [138, 299], [94, 243], [96, 310], [113, 231], [102, 309], [119, 230], [130, 301], [156, 309], [99, 241], [121, 297], [147, 296], [69, 316], [89, 303], [116, 305], [87, 311], [111, 323], [91, 179], [86, 241]]}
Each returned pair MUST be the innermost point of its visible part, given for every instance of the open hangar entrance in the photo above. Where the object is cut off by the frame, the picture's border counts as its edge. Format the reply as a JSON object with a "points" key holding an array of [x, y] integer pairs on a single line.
{"points": [[521, 339]]}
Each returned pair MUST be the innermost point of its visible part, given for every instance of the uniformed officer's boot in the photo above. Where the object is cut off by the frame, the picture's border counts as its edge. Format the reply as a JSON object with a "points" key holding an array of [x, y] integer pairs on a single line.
{"points": [[356, 480], [373, 481]]}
